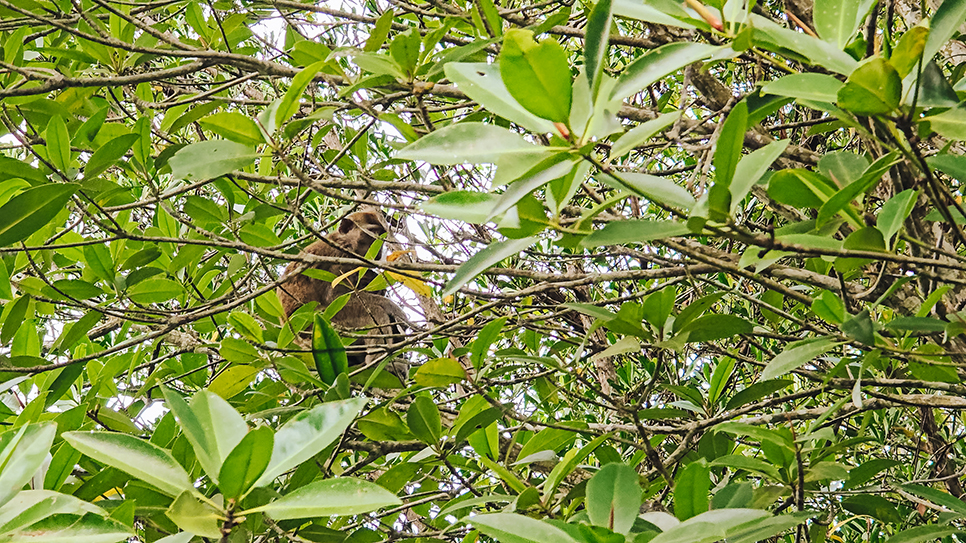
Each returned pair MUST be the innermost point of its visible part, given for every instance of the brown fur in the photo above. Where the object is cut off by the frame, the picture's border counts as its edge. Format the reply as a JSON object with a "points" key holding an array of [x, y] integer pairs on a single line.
{"points": [[369, 313]]}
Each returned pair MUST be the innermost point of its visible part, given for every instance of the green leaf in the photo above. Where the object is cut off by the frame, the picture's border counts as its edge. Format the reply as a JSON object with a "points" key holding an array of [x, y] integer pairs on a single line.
{"points": [[548, 439], [907, 52], [234, 126], [867, 470], [246, 462], [938, 497], [339, 496], [769, 35], [22, 451], [72, 528], [929, 532], [467, 142], [98, 259], [439, 372], [691, 490], [714, 327], [196, 516], [614, 497], [654, 188], [210, 424], [155, 290], [595, 43], [806, 86], [485, 259], [108, 154], [514, 528], [641, 133], [874, 88], [800, 188], [895, 212], [731, 140], [736, 461], [31, 210], [233, 380], [481, 345], [765, 529], [291, 102], [58, 143], [210, 159], [751, 168], [836, 20], [943, 25], [658, 63], [483, 84], [651, 14], [712, 526], [537, 75], [328, 351], [135, 456], [873, 506], [634, 231], [756, 392], [308, 433], [795, 357], [424, 421], [380, 31], [464, 205], [950, 124]]}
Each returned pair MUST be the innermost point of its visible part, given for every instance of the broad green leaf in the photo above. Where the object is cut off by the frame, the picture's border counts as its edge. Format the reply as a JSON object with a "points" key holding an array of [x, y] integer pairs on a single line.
{"points": [[483, 84], [737, 461], [423, 420], [873, 506], [246, 462], [31, 210], [548, 439], [795, 357], [714, 327], [652, 187], [331, 497], [328, 351], [514, 528], [58, 143], [135, 456], [711, 526], [864, 239], [210, 159], [212, 426], [928, 532], [481, 345], [537, 75], [233, 380], [98, 259], [938, 497], [196, 516], [769, 35], [291, 102], [691, 490], [874, 88], [658, 63], [806, 86], [466, 142], [634, 231], [22, 451], [906, 55], [836, 20], [614, 497], [943, 25], [595, 43], [800, 188], [651, 14], [72, 528], [439, 372], [895, 212], [464, 205], [31, 506], [383, 425], [107, 154], [950, 124], [155, 290], [751, 168], [764, 529], [731, 140], [867, 470], [234, 126], [641, 133], [308, 433], [569, 462], [484, 260]]}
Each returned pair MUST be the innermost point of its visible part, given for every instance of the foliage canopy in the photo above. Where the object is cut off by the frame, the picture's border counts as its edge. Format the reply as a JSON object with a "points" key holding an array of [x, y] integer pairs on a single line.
{"points": [[677, 271]]}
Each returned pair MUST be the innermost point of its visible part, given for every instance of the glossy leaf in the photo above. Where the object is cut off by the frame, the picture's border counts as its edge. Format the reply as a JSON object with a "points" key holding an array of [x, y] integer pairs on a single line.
{"points": [[614, 497], [31, 210], [210, 159], [537, 75], [331, 497], [466, 142], [22, 451], [795, 357], [484, 260], [327, 351]]}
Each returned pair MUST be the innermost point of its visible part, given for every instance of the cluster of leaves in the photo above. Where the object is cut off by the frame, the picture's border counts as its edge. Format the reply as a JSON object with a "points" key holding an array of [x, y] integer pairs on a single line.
{"points": [[677, 271]]}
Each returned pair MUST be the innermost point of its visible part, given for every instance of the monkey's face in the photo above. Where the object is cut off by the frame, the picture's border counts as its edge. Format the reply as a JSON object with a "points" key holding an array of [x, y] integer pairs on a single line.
{"points": [[361, 229]]}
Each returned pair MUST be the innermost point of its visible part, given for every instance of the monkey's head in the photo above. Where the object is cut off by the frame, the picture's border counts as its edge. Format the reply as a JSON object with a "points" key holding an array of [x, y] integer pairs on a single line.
{"points": [[358, 231]]}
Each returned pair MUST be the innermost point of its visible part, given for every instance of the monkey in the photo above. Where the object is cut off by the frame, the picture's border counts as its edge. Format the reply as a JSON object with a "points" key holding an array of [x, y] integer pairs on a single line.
{"points": [[368, 312]]}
